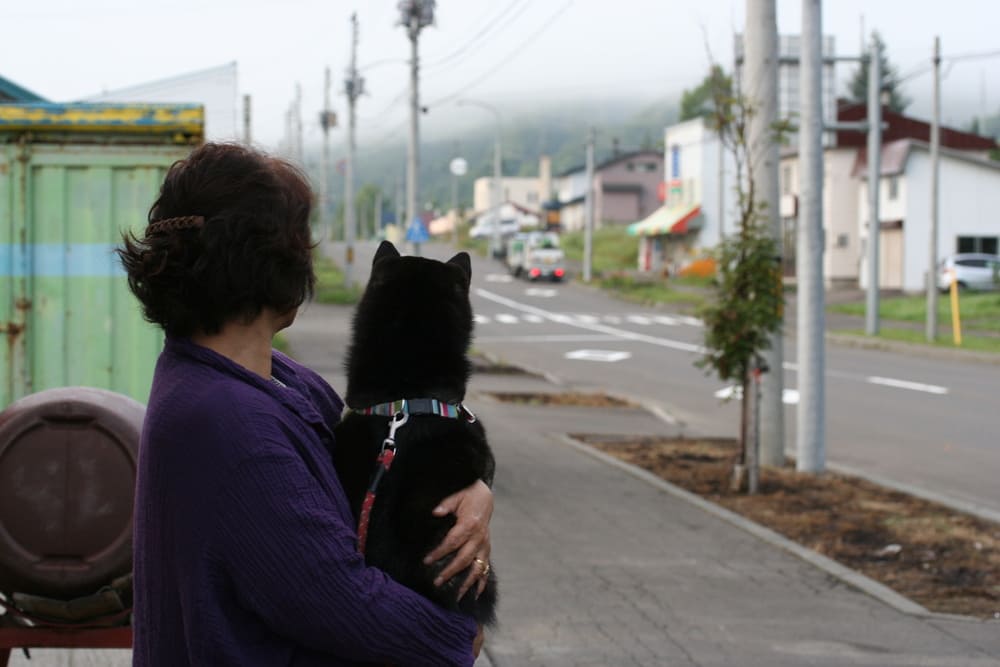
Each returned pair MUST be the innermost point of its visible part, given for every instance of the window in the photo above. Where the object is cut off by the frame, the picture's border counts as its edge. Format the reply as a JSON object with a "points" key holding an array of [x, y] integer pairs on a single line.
{"points": [[532, 197], [786, 179], [893, 188], [630, 166], [984, 244], [650, 166]]}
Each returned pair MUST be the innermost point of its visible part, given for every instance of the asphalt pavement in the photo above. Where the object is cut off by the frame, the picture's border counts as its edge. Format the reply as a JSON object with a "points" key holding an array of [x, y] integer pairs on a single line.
{"points": [[601, 566]]}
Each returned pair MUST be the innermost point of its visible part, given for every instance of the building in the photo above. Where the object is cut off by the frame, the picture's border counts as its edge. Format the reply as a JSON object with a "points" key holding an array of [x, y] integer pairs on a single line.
{"points": [[11, 92], [626, 187], [904, 204], [699, 199], [523, 191]]}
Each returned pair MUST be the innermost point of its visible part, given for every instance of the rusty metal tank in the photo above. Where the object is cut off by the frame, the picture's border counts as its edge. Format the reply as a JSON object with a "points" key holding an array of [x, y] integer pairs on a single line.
{"points": [[67, 479]]}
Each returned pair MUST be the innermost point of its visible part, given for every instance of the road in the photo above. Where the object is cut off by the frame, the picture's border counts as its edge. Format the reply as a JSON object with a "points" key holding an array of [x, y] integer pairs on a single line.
{"points": [[919, 421]]}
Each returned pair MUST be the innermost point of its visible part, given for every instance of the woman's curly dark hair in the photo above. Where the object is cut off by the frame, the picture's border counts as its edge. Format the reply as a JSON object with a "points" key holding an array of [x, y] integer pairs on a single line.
{"points": [[234, 240]]}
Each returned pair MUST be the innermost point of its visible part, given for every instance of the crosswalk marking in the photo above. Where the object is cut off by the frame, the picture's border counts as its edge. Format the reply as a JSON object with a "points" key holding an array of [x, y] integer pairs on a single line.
{"points": [[589, 318]]}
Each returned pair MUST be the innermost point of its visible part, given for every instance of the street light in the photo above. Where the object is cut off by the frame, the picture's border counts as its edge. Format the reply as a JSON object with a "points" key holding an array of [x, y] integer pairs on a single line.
{"points": [[497, 175]]}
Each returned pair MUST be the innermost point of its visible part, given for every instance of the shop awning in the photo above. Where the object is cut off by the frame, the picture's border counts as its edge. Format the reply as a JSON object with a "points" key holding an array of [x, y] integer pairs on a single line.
{"points": [[664, 220]]}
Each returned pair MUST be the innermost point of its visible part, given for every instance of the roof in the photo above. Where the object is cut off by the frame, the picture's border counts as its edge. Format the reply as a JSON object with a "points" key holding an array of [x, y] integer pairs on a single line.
{"points": [[85, 117], [905, 127], [896, 153], [11, 92], [668, 220], [615, 159]]}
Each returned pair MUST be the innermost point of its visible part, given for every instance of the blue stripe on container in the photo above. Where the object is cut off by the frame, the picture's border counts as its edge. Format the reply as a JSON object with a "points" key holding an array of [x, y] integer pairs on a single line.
{"points": [[54, 260]]}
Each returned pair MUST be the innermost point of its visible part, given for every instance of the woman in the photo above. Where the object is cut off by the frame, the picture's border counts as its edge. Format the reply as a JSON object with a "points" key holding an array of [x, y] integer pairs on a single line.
{"points": [[245, 548]]}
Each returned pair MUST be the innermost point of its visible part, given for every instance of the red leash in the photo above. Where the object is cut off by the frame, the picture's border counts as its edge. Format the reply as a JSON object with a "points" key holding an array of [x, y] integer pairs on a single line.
{"points": [[384, 462]]}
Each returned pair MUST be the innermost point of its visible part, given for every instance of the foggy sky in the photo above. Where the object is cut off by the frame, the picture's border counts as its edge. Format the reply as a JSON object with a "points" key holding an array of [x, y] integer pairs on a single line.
{"points": [[512, 54]]}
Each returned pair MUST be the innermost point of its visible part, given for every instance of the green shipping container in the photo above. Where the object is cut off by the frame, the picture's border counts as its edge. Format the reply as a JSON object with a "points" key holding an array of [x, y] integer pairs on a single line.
{"points": [[72, 179]]}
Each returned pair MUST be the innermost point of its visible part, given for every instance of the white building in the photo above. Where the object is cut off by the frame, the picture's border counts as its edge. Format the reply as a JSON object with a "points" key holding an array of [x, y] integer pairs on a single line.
{"points": [[969, 213], [522, 191]]}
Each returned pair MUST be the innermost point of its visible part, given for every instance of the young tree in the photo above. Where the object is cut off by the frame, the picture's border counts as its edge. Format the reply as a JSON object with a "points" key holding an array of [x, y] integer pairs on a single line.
{"points": [[748, 301], [857, 88]]}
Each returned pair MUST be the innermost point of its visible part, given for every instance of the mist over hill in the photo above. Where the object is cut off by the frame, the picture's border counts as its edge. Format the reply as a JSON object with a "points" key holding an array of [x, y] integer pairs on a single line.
{"points": [[528, 132]]}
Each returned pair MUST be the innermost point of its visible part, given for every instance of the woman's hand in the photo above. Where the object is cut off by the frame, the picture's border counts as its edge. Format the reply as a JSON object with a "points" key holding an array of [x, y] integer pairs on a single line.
{"points": [[469, 538]]}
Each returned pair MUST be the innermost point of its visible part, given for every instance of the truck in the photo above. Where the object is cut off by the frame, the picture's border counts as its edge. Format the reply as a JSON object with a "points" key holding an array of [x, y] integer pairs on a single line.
{"points": [[536, 256]]}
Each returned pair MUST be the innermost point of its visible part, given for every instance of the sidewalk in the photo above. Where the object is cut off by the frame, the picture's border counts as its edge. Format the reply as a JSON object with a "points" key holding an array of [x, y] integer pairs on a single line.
{"points": [[600, 568]]}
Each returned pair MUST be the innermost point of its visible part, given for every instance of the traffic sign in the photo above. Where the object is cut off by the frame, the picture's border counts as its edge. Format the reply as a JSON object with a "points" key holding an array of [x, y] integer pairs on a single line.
{"points": [[417, 232]]}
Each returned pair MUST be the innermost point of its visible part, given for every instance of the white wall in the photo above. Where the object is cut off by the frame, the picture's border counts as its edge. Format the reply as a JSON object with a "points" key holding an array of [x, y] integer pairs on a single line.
{"points": [[520, 190], [842, 249]]}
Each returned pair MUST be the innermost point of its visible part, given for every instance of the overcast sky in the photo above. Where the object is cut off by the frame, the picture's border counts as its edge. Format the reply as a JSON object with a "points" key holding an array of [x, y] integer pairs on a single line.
{"points": [[508, 53]]}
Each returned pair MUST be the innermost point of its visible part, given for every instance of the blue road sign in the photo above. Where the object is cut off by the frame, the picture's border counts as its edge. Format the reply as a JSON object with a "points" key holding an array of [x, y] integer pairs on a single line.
{"points": [[416, 232]]}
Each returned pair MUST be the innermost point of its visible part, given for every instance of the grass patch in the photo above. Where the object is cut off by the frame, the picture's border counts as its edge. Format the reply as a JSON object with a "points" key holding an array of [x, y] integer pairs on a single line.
{"points": [[613, 249], [651, 291], [330, 287], [974, 343], [979, 310]]}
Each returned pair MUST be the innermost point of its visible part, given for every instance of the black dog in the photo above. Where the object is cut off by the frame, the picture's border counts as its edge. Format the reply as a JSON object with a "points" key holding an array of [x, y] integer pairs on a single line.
{"points": [[412, 330]]}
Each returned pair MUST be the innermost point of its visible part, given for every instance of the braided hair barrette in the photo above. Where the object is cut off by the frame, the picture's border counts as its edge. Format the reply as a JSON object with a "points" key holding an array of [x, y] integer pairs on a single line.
{"points": [[171, 224]]}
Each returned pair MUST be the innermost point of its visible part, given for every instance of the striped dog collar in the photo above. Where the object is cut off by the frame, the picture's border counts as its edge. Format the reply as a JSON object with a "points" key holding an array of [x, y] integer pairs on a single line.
{"points": [[419, 406]]}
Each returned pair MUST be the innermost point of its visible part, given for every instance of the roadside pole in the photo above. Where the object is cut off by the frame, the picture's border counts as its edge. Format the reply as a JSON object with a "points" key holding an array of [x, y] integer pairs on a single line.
{"points": [[811, 418], [874, 179], [761, 62], [588, 210], [324, 163], [247, 138], [932, 289], [352, 86]]}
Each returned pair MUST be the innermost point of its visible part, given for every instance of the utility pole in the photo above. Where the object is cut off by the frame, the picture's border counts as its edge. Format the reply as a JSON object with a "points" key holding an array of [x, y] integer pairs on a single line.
{"points": [[414, 15], [761, 57], [299, 152], [377, 218], [246, 120], [932, 294], [353, 87], [874, 179], [324, 163], [588, 210], [811, 419]]}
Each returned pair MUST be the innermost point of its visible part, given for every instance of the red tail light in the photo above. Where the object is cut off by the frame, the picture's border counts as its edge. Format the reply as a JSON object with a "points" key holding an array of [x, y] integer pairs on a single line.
{"points": [[535, 273], [559, 273]]}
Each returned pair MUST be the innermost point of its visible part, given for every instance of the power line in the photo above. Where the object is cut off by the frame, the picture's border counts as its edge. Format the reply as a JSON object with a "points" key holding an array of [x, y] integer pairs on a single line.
{"points": [[476, 40]]}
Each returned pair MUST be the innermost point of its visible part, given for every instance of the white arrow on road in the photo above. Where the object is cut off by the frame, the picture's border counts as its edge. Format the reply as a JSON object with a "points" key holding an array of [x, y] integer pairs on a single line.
{"points": [[598, 355]]}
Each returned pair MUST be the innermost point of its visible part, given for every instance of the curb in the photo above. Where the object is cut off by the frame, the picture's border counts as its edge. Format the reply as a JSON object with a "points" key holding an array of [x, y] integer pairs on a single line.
{"points": [[869, 586], [867, 343]]}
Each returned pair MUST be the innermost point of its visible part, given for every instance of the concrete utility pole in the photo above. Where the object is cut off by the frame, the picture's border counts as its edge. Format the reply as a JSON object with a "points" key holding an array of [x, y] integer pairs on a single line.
{"points": [[588, 210], [761, 58], [415, 15], [377, 217], [811, 418], [353, 87], [932, 294], [874, 179], [299, 152], [324, 163], [246, 120]]}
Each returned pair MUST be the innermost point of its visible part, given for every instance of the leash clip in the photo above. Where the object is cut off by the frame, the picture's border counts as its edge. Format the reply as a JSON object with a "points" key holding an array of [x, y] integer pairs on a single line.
{"points": [[469, 416], [397, 421]]}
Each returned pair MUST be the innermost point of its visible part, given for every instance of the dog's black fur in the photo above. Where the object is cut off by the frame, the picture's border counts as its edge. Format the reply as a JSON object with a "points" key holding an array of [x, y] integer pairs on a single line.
{"points": [[412, 330]]}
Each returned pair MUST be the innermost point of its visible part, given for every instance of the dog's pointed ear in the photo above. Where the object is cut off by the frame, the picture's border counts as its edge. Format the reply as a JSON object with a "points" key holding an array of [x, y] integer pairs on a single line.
{"points": [[462, 261], [385, 249]]}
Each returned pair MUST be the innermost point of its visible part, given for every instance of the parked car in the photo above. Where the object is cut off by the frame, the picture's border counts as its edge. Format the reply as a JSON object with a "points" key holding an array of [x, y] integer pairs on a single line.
{"points": [[484, 230], [971, 270]]}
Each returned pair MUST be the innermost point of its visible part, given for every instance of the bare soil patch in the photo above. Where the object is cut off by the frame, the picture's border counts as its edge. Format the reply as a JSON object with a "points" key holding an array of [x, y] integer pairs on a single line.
{"points": [[570, 398], [481, 364], [942, 559]]}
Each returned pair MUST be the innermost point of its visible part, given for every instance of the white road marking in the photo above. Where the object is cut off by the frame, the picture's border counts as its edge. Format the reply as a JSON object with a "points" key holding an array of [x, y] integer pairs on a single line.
{"points": [[480, 319], [600, 328], [691, 321], [639, 319], [586, 319], [554, 338], [498, 278], [904, 384], [608, 356], [664, 319], [543, 292], [534, 319], [612, 319], [788, 396], [506, 318]]}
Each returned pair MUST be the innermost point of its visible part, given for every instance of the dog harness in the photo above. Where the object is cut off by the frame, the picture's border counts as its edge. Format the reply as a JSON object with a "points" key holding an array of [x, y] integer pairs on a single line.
{"points": [[399, 412]]}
